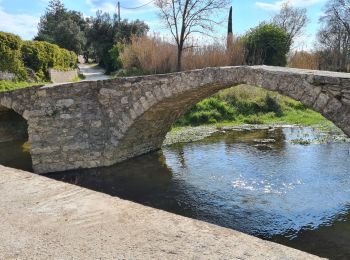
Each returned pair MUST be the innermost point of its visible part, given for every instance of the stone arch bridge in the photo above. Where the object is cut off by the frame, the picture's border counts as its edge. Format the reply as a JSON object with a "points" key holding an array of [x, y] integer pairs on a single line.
{"points": [[100, 123]]}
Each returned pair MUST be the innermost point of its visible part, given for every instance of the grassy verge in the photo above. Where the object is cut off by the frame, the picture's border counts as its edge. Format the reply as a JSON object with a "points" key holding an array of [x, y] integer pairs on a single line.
{"points": [[251, 105], [11, 85]]}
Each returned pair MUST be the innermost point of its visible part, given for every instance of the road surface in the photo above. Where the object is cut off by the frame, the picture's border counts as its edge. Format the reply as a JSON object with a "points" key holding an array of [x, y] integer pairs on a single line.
{"points": [[92, 72]]}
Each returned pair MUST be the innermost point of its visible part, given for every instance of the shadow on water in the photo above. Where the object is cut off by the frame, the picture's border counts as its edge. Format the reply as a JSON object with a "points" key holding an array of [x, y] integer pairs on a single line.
{"points": [[256, 182], [13, 154]]}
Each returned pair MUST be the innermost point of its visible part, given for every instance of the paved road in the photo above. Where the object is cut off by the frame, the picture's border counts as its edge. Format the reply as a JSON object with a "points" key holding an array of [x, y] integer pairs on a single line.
{"points": [[92, 72], [47, 219]]}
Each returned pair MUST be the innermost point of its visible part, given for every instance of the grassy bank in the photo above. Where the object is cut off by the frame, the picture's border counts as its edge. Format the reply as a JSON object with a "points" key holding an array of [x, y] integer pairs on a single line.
{"points": [[11, 85], [251, 105]]}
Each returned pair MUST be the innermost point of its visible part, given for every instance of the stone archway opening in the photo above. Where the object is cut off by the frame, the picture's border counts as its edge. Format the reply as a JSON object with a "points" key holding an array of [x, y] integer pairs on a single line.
{"points": [[14, 146], [252, 105]]}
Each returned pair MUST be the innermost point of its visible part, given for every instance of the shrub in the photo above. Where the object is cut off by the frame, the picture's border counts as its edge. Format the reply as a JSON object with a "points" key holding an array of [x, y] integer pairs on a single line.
{"points": [[272, 105], [210, 110], [10, 55], [267, 44], [41, 56], [113, 61]]}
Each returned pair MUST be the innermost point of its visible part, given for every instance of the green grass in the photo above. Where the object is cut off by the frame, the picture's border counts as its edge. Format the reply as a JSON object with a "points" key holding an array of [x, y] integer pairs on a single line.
{"points": [[251, 105], [11, 85], [79, 78]]}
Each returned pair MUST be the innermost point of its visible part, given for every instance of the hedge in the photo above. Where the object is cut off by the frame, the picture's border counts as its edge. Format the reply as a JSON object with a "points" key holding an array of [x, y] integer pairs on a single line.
{"points": [[41, 56], [10, 55], [17, 55]]}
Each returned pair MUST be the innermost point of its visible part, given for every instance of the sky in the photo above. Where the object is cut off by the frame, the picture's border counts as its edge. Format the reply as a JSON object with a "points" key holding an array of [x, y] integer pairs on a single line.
{"points": [[22, 16]]}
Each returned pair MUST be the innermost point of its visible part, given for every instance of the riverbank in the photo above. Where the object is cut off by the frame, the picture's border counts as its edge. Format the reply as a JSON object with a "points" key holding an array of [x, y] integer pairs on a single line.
{"points": [[325, 132]]}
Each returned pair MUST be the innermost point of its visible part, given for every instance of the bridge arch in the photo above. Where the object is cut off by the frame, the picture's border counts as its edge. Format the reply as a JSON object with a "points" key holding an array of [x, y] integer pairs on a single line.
{"points": [[147, 127], [100, 123], [13, 126]]}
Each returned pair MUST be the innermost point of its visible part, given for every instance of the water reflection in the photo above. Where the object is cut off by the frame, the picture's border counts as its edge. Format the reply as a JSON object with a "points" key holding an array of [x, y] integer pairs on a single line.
{"points": [[253, 181]]}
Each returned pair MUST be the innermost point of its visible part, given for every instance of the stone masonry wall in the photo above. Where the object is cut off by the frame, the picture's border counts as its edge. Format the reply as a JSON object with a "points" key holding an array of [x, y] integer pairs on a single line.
{"points": [[58, 76], [100, 123]]}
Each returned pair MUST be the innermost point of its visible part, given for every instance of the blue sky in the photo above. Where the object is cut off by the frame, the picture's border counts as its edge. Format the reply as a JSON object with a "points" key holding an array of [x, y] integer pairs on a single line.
{"points": [[22, 16]]}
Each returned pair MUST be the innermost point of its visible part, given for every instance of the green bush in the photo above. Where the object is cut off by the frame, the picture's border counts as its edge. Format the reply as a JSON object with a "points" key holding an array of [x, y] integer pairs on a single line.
{"points": [[10, 55], [267, 44], [16, 55], [272, 105], [112, 60], [208, 111], [41, 56]]}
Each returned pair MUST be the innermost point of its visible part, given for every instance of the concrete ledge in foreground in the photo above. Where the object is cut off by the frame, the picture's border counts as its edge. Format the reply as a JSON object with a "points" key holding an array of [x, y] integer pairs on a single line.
{"points": [[46, 219]]}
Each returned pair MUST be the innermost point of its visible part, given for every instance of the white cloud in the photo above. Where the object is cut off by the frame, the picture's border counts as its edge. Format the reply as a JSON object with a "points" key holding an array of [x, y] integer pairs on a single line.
{"points": [[23, 25], [277, 4]]}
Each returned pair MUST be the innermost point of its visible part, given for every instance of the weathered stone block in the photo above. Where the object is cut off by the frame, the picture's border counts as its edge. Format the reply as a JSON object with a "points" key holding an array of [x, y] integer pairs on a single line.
{"points": [[321, 102], [65, 103]]}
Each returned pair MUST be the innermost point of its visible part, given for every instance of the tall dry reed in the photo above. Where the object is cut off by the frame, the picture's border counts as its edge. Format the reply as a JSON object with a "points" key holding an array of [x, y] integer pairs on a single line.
{"points": [[304, 60], [153, 55]]}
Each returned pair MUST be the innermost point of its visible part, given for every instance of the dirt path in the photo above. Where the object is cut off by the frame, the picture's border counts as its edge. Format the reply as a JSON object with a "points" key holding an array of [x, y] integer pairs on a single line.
{"points": [[92, 72]]}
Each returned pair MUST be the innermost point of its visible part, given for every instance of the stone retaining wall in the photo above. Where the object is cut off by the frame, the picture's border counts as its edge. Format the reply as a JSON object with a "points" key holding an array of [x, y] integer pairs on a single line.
{"points": [[7, 75], [58, 76]]}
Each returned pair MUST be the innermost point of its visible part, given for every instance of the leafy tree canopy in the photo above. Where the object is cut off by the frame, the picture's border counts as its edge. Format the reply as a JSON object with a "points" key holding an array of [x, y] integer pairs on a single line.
{"points": [[62, 27], [105, 31], [267, 44], [92, 37]]}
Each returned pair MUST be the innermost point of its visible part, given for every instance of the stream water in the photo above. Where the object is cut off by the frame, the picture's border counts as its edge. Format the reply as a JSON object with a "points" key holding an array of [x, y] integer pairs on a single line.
{"points": [[259, 182]]}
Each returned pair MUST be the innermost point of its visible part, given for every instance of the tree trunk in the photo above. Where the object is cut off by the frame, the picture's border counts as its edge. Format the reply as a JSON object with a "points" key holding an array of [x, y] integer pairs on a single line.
{"points": [[179, 59]]}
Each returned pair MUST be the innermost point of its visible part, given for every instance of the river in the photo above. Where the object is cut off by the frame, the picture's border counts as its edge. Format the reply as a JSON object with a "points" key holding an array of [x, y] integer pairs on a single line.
{"points": [[266, 183]]}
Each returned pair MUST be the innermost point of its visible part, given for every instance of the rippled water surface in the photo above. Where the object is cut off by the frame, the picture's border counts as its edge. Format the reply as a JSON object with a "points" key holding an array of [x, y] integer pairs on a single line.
{"points": [[257, 182]]}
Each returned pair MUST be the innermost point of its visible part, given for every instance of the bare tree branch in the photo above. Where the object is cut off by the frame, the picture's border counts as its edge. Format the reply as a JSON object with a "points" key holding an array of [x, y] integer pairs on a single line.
{"points": [[186, 17], [291, 19]]}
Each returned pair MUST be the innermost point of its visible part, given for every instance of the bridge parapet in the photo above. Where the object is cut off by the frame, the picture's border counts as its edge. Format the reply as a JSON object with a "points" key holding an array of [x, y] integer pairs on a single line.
{"points": [[100, 123]]}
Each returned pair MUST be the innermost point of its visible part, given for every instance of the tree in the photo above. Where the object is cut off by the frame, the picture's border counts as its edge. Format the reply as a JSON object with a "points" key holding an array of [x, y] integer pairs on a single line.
{"points": [[62, 27], [334, 36], [291, 19], [229, 30], [105, 31], [184, 17], [267, 44]]}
